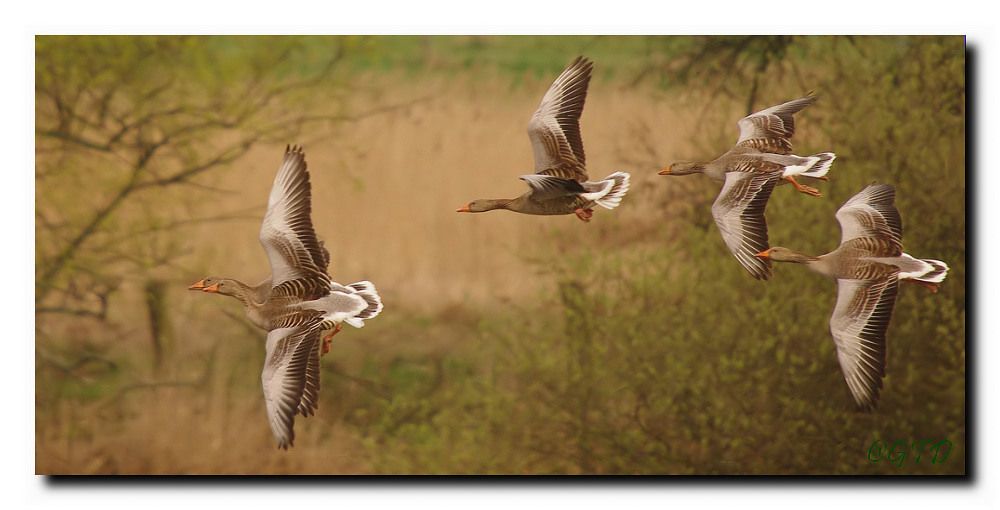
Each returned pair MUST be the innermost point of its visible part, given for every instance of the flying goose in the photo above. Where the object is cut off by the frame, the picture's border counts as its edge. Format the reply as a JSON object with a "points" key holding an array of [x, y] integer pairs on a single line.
{"points": [[297, 302], [761, 159], [868, 266], [560, 184]]}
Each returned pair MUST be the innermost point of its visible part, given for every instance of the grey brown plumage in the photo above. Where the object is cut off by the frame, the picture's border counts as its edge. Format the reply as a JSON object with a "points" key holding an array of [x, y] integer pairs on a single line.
{"points": [[560, 183], [309, 401], [297, 302], [760, 160], [554, 129], [284, 377], [771, 129], [739, 215], [868, 266], [287, 233]]}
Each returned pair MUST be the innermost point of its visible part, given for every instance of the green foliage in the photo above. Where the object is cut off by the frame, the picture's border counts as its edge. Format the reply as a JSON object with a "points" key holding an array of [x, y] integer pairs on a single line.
{"points": [[540, 56], [675, 361], [668, 359]]}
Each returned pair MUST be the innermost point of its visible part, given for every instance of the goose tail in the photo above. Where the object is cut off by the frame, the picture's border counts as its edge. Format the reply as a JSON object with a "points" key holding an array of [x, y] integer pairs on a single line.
{"points": [[936, 274], [923, 270], [353, 304], [822, 165], [366, 290], [610, 190]]}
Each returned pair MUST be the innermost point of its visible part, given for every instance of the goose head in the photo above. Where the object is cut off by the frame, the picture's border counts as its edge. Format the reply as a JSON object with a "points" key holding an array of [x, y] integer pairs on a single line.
{"points": [[483, 205], [781, 254], [215, 285], [683, 168]]}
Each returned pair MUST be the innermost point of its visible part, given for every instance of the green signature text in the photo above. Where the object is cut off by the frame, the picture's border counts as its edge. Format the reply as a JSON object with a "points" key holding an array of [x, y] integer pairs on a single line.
{"points": [[899, 451]]}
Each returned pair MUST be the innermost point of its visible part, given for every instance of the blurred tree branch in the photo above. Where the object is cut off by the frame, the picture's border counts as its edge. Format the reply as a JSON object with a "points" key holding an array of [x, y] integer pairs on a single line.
{"points": [[119, 118], [734, 64], [197, 383], [74, 368], [160, 134], [126, 128]]}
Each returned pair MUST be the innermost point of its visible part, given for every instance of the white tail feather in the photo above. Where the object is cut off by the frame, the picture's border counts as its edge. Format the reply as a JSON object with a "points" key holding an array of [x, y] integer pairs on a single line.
{"points": [[366, 290], [821, 166], [923, 270], [610, 196], [937, 273], [816, 165], [605, 187], [353, 304]]}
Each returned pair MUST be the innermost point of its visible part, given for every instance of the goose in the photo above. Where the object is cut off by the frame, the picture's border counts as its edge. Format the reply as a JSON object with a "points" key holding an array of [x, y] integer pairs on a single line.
{"points": [[560, 184], [868, 266], [760, 160], [297, 303]]}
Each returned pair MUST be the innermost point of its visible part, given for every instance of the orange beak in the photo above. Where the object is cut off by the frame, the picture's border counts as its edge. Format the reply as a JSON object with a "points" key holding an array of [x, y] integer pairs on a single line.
{"points": [[464, 208], [667, 170], [211, 288], [198, 285], [766, 254]]}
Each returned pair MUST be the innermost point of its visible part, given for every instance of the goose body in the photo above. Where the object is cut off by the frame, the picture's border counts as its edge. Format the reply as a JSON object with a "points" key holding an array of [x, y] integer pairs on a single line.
{"points": [[761, 159], [297, 303], [560, 184], [868, 266]]}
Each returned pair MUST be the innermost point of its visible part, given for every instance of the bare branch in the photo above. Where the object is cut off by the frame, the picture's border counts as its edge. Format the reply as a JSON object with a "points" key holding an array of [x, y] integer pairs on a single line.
{"points": [[70, 369], [102, 98], [68, 137], [79, 312], [178, 224]]}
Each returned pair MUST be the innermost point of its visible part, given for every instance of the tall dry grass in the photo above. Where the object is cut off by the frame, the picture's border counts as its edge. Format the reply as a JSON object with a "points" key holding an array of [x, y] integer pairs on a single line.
{"points": [[503, 346], [385, 189]]}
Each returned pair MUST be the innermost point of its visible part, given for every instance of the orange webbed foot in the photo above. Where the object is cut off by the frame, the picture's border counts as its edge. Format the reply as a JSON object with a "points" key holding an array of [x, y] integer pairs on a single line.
{"points": [[802, 188], [813, 192], [584, 214]]}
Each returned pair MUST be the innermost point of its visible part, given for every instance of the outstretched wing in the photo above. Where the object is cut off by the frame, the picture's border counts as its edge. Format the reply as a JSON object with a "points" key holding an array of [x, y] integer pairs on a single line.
{"points": [[285, 377], [872, 214], [324, 262], [739, 214], [554, 129], [310, 391], [771, 129], [287, 232], [858, 325], [547, 187]]}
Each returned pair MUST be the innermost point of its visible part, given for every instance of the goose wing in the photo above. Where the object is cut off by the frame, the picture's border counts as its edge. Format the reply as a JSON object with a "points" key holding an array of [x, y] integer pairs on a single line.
{"points": [[310, 391], [858, 325], [285, 378], [554, 129], [872, 214], [546, 187], [739, 214], [287, 234], [771, 129]]}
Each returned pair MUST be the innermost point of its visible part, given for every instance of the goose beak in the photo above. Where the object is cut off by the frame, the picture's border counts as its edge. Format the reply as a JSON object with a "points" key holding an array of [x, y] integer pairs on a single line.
{"points": [[211, 288], [667, 170], [766, 254], [464, 208], [198, 285]]}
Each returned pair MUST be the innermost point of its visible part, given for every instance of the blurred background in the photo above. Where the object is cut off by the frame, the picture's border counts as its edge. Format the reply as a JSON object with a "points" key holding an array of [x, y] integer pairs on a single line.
{"points": [[509, 343]]}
